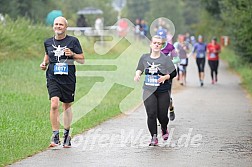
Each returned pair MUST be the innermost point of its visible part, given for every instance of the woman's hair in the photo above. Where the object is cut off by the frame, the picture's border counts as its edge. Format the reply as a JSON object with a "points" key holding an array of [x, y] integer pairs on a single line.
{"points": [[156, 37], [214, 38]]}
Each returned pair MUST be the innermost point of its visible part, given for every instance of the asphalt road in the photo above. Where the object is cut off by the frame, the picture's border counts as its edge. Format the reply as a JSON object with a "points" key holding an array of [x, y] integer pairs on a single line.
{"points": [[213, 127]]}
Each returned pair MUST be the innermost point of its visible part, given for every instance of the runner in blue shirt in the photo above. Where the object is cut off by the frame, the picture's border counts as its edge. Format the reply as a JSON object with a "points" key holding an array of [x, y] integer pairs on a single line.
{"points": [[200, 49]]}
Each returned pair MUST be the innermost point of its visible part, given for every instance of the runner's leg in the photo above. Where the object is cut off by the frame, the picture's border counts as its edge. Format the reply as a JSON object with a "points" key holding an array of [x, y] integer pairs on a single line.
{"points": [[150, 104], [216, 70], [54, 117], [212, 70], [67, 117], [163, 105], [54, 113]]}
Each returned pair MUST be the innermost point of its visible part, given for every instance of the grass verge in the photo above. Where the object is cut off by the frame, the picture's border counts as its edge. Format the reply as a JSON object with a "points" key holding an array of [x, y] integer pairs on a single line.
{"points": [[240, 66]]}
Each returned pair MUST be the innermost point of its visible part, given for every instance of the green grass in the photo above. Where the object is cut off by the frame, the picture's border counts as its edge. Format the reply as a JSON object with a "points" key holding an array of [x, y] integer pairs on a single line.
{"points": [[240, 66], [24, 122], [23, 109], [24, 113], [21, 39]]}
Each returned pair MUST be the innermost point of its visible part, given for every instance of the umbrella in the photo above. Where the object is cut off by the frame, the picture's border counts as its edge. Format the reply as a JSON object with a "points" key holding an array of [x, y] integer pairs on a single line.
{"points": [[89, 10], [52, 15]]}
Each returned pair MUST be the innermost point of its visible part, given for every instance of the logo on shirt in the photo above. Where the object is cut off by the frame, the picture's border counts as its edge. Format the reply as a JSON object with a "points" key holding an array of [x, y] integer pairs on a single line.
{"points": [[153, 68], [58, 52]]}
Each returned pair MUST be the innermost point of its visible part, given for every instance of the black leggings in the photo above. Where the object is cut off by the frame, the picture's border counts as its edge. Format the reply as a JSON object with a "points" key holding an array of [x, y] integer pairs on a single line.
{"points": [[156, 105], [214, 68], [201, 64]]}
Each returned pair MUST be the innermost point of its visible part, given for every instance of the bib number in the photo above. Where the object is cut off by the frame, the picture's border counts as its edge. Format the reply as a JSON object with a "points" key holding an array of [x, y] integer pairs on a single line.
{"points": [[151, 80], [60, 69], [201, 55], [212, 55]]}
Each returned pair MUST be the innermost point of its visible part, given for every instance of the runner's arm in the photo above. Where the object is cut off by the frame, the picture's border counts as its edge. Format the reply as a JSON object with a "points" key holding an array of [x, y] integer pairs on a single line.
{"points": [[173, 74], [167, 76], [137, 75], [218, 50], [45, 62], [79, 58]]}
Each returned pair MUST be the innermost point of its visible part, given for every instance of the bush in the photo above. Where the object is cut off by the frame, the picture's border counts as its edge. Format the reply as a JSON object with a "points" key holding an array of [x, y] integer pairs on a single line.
{"points": [[241, 66]]}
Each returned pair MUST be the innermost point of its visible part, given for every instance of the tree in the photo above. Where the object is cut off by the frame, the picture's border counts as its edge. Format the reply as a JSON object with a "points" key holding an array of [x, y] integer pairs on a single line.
{"points": [[137, 9], [34, 10], [237, 16], [38, 10], [192, 11], [213, 7], [172, 9]]}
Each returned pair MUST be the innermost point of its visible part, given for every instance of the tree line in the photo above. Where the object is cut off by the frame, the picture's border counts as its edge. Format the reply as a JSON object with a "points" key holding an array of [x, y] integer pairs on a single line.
{"points": [[205, 17], [233, 18]]}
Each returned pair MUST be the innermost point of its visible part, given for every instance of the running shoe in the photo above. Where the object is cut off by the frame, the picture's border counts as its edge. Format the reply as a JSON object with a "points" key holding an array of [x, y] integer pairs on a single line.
{"points": [[201, 83], [154, 141], [67, 141], [55, 141], [165, 134], [172, 114]]}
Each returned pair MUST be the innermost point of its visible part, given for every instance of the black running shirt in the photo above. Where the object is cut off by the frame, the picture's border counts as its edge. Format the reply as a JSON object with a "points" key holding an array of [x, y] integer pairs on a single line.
{"points": [[55, 50]]}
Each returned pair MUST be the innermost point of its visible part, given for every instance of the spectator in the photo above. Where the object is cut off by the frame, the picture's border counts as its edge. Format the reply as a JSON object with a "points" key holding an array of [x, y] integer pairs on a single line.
{"points": [[123, 28], [137, 29], [81, 21], [99, 25], [144, 29]]}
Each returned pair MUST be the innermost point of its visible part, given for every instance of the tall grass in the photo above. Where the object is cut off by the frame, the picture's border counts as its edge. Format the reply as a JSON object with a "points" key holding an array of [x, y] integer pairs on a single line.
{"points": [[21, 39], [241, 66]]}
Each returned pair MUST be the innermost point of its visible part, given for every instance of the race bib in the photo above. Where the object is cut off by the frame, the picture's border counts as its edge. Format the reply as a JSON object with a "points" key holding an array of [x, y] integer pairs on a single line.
{"points": [[183, 62], [60, 69], [201, 55], [151, 80], [212, 55]]}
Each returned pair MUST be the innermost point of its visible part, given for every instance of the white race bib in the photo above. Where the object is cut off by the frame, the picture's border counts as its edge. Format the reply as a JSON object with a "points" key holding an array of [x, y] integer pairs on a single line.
{"points": [[212, 55], [151, 80], [60, 69], [201, 55]]}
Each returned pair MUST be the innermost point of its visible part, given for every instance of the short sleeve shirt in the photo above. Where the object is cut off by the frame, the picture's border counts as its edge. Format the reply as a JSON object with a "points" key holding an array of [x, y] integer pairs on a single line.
{"points": [[200, 49], [55, 50], [159, 66], [212, 56]]}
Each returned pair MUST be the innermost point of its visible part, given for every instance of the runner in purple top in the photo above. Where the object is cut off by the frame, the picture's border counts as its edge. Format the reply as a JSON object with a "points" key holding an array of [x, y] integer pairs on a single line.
{"points": [[199, 50], [169, 50]]}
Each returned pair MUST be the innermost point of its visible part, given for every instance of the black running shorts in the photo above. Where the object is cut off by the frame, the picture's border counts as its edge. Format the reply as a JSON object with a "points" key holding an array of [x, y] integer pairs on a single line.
{"points": [[65, 92]]}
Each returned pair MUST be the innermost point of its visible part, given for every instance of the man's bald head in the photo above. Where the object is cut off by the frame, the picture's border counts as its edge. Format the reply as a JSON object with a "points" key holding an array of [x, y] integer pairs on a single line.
{"points": [[60, 27], [61, 18]]}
